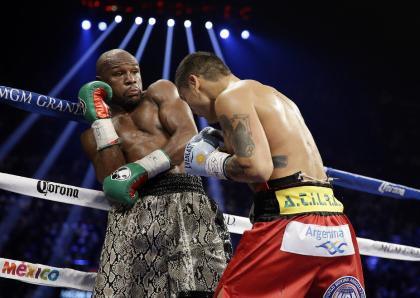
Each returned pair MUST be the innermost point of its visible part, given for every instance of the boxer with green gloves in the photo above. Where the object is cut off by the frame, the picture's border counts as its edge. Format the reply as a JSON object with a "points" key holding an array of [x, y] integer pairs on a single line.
{"points": [[122, 184], [93, 97], [118, 187], [161, 222]]}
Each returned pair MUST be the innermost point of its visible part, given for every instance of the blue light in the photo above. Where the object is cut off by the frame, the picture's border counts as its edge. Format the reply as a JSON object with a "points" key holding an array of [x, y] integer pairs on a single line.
{"points": [[152, 21], [145, 39], [86, 25], [187, 24], [118, 19], [245, 34], [80, 262], [102, 26], [190, 38], [209, 25], [20, 131], [129, 35], [69, 293], [224, 33], [215, 43], [372, 263], [168, 50], [171, 23], [139, 20]]}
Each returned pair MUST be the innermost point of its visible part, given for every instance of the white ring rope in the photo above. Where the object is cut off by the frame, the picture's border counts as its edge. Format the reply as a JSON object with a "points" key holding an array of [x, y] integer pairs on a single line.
{"points": [[46, 275], [69, 278]]}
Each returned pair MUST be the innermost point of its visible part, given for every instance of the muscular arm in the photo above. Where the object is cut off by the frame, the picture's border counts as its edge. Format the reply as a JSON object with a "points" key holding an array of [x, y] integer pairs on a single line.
{"points": [[176, 118], [105, 161], [251, 160]]}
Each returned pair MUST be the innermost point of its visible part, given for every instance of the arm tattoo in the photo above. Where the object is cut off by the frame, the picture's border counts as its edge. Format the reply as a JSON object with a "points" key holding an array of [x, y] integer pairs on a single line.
{"points": [[226, 126], [280, 161], [238, 131], [232, 168]]}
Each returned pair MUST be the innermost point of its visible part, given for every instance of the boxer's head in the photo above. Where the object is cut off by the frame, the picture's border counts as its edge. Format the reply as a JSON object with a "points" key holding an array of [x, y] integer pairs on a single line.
{"points": [[121, 71], [199, 79]]}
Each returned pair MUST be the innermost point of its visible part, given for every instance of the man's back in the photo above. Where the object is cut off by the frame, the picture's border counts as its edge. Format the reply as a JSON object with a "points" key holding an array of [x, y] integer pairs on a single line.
{"points": [[291, 144], [301, 244]]}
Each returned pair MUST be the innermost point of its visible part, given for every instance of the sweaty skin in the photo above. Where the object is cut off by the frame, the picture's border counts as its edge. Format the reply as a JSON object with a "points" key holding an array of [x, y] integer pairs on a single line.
{"points": [[263, 129], [145, 120]]}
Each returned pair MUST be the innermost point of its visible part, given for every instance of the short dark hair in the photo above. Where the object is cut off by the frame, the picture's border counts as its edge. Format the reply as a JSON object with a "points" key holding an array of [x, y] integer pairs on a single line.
{"points": [[204, 64]]}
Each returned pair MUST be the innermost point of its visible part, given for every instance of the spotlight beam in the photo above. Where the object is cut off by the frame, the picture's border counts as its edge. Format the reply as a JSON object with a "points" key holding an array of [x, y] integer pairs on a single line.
{"points": [[143, 42], [24, 127], [128, 36], [215, 44], [214, 187], [13, 211], [62, 241], [190, 40], [168, 51]]}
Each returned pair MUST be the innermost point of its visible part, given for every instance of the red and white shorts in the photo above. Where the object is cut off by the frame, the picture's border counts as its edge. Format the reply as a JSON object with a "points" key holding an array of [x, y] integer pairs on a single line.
{"points": [[307, 255]]}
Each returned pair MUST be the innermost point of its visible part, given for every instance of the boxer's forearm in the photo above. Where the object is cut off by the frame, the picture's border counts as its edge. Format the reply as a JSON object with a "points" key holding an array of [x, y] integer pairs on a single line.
{"points": [[176, 145], [108, 160], [246, 170], [105, 161]]}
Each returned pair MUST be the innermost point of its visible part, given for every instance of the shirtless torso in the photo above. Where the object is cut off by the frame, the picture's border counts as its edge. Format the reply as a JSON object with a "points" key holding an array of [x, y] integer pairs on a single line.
{"points": [[270, 147], [142, 255], [292, 147], [141, 131]]}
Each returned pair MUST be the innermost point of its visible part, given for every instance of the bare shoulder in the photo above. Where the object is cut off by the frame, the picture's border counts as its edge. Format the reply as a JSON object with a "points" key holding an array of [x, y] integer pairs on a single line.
{"points": [[162, 91], [239, 93]]}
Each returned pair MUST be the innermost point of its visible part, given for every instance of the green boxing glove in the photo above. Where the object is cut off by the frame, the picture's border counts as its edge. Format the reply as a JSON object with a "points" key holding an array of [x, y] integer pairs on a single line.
{"points": [[122, 185], [93, 97]]}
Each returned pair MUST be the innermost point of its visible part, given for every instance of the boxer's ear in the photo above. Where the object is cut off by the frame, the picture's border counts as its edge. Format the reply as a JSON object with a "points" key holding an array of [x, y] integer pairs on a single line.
{"points": [[194, 82]]}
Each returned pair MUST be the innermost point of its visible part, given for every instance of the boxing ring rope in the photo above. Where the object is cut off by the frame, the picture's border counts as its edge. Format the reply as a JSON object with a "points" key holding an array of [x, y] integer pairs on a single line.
{"points": [[371, 185], [65, 277], [46, 275], [48, 190]]}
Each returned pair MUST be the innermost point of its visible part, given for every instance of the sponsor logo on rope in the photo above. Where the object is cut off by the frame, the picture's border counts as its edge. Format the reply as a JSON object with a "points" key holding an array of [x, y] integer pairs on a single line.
{"points": [[82, 105], [391, 188], [46, 187], [346, 286], [42, 101], [229, 219], [31, 271], [398, 249]]}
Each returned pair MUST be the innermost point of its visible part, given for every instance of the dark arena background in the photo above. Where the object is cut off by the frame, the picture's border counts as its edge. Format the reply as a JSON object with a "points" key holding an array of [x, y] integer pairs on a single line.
{"points": [[351, 68]]}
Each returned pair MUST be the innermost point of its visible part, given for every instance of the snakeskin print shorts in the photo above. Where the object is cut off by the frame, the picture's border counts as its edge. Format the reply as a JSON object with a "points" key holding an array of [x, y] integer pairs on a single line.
{"points": [[171, 243]]}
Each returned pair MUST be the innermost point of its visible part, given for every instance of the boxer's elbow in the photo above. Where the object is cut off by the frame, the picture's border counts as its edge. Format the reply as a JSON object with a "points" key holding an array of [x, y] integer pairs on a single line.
{"points": [[256, 170], [262, 172]]}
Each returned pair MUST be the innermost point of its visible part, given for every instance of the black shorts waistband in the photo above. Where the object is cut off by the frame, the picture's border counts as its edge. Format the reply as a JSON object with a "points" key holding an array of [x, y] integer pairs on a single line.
{"points": [[296, 179], [168, 183], [266, 205]]}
